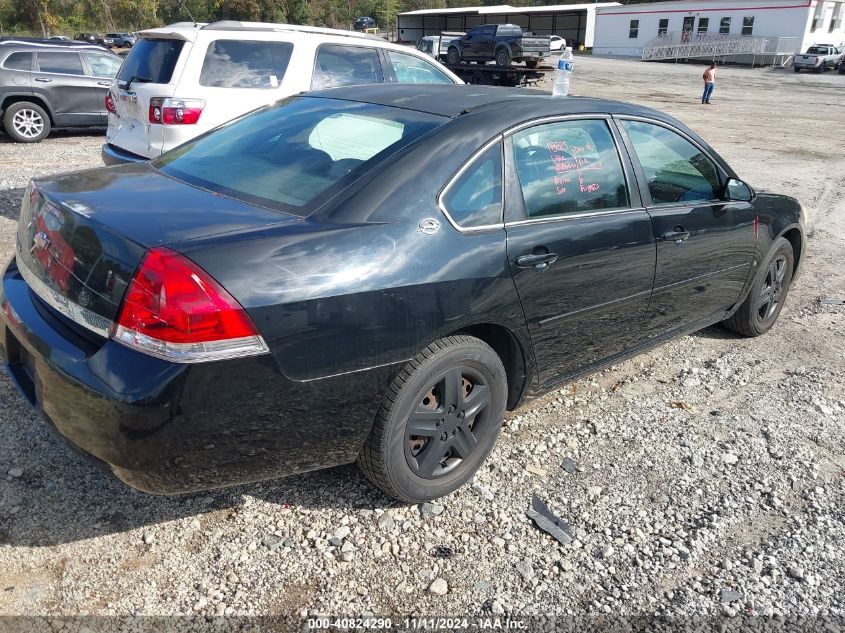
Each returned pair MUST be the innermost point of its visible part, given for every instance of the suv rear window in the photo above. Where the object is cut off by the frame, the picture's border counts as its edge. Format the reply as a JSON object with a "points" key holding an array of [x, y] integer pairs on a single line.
{"points": [[151, 60], [240, 64], [295, 155]]}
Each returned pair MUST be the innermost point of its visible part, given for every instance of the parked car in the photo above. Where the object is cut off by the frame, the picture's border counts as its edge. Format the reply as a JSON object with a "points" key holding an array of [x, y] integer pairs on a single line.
{"points": [[363, 23], [818, 58], [59, 38], [502, 43], [557, 43], [182, 80], [94, 38], [437, 46], [374, 273], [53, 85], [122, 40]]}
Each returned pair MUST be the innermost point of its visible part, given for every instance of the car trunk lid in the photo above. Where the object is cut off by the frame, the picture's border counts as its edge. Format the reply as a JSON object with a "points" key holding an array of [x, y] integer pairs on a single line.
{"points": [[81, 236]]}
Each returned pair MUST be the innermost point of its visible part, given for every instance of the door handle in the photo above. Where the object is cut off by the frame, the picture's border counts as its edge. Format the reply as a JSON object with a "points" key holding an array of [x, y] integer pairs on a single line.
{"points": [[43, 80], [539, 262], [104, 83], [677, 235]]}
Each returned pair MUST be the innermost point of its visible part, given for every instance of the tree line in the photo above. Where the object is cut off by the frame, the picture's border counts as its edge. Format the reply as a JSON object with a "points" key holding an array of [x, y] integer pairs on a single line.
{"points": [[68, 17]]}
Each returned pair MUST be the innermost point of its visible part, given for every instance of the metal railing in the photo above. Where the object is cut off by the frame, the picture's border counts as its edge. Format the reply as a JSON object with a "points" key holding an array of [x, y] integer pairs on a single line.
{"points": [[688, 45]]}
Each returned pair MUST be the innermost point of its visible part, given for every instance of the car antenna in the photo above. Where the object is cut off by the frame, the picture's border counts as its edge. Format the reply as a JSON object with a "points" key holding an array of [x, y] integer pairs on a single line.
{"points": [[184, 5]]}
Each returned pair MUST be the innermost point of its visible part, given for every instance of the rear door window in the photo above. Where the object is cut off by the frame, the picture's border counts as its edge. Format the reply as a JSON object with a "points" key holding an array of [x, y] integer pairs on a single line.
{"points": [[60, 63], [18, 61], [103, 65], [475, 198], [413, 70], [339, 65], [244, 64], [151, 60]]}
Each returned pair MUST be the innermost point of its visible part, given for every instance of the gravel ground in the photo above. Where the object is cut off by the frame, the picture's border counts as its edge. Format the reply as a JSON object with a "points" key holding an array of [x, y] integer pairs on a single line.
{"points": [[733, 504]]}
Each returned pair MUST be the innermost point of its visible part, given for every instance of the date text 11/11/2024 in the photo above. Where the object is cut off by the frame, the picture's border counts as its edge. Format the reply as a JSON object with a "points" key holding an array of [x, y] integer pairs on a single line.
{"points": [[566, 160]]}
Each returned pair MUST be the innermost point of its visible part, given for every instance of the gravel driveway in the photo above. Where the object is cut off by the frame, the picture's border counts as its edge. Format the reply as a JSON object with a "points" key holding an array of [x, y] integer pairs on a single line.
{"points": [[732, 502]]}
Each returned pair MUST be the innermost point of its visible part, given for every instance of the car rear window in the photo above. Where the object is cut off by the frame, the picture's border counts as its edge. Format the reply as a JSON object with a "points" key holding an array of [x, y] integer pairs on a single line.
{"points": [[243, 64], [295, 155], [151, 60]]}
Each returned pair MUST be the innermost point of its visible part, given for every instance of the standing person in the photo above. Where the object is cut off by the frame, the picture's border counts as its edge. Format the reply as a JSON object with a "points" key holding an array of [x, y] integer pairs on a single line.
{"points": [[709, 82]]}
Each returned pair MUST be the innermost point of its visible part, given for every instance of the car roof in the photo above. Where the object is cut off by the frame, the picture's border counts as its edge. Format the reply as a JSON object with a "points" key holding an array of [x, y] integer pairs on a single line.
{"points": [[24, 43], [455, 100], [189, 30]]}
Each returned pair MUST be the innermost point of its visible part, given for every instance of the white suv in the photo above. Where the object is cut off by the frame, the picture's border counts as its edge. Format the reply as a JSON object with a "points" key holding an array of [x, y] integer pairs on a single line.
{"points": [[181, 80]]}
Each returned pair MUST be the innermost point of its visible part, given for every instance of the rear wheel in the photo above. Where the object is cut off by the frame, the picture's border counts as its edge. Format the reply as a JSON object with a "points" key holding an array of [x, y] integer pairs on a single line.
{"points": [[765, 300], [438, 420], [26, 122], [453, 56], [477, 78], [503, 57], [531, 63]]}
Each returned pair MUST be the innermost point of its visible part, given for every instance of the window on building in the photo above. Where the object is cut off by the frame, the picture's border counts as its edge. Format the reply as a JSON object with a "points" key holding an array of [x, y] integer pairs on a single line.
{"points": [[836, 20], [703, 25], [748, 25], [818, 17], [725, 26], [662, 26], [634, 30]]}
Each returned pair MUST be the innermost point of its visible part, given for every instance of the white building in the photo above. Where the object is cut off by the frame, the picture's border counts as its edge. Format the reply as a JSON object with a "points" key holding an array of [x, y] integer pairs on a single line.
{"points": [[627, 30], [574, 22]]}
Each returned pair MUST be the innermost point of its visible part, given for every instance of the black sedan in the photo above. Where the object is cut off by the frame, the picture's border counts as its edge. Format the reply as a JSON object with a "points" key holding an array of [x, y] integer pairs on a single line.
{"points": [[374, 274]]}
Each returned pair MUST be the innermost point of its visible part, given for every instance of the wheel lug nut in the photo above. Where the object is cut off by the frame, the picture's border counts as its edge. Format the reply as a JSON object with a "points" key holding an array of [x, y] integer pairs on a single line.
{"points": [[440, 423], [443, 436], [461, 415], [451, 408]]}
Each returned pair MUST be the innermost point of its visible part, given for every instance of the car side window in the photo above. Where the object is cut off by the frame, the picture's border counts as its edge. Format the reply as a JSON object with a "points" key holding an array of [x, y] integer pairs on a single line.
{"points": [[245, 64], [413, 70], [475, 198], [569, 167], [676, 170], [339, 65], [103, 65], [18, 61], [61, 63]]}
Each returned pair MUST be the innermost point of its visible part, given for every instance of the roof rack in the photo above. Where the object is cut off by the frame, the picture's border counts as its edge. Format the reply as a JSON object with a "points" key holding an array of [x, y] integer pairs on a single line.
{"points": [[40, 42], [234, 25]]}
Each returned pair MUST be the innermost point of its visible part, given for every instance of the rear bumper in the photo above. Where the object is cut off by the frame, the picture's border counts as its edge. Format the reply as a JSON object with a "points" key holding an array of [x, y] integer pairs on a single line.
{"points": [[168, 428], [113, 155]]}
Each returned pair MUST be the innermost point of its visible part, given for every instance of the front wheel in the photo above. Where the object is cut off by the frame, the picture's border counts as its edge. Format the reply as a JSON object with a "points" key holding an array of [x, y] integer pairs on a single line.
{"points": [[765, 300], [438, 420], [453, 56], [26, 122]]}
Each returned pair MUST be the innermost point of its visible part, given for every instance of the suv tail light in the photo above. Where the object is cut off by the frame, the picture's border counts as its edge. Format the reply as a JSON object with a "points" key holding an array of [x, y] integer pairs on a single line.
{"points": [[175, 111], [174, 310], [110, 104]]}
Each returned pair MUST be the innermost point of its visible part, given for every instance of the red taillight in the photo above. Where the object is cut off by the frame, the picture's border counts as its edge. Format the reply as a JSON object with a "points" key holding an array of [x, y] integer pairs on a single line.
{"points": [[173, 309], [175, 111], [110, 104]]}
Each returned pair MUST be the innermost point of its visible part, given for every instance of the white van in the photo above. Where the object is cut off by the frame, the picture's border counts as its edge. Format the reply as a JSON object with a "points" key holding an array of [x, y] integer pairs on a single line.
{"points": [[181, 80]]}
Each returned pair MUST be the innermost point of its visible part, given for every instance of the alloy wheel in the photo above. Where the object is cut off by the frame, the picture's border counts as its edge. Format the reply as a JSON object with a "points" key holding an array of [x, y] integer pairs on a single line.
{"points": [[28, 123], [772, 291], [448, 422]]}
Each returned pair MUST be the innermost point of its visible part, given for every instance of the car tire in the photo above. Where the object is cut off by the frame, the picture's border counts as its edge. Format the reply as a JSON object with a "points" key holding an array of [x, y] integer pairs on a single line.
{"points": [[450, 446], [531, 63], [477, 78], [453, 56], [503, 57], [796, 69], [26, 122], [765, 300]]}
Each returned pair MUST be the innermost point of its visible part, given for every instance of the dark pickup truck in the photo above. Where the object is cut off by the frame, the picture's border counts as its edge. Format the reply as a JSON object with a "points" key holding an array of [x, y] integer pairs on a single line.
{"points": [[503, 43]]}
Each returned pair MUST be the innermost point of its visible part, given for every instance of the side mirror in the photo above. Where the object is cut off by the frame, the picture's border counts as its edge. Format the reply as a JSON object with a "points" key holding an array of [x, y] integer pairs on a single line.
{"points": [[738, 191]]}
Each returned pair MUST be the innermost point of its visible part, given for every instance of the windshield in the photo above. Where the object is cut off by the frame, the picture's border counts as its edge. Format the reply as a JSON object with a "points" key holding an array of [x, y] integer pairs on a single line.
{"points": [[295, 155]]}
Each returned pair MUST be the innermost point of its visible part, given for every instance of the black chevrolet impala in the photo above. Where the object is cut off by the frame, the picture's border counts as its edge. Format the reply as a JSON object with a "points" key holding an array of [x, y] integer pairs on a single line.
{"points": [[374, 274]]}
